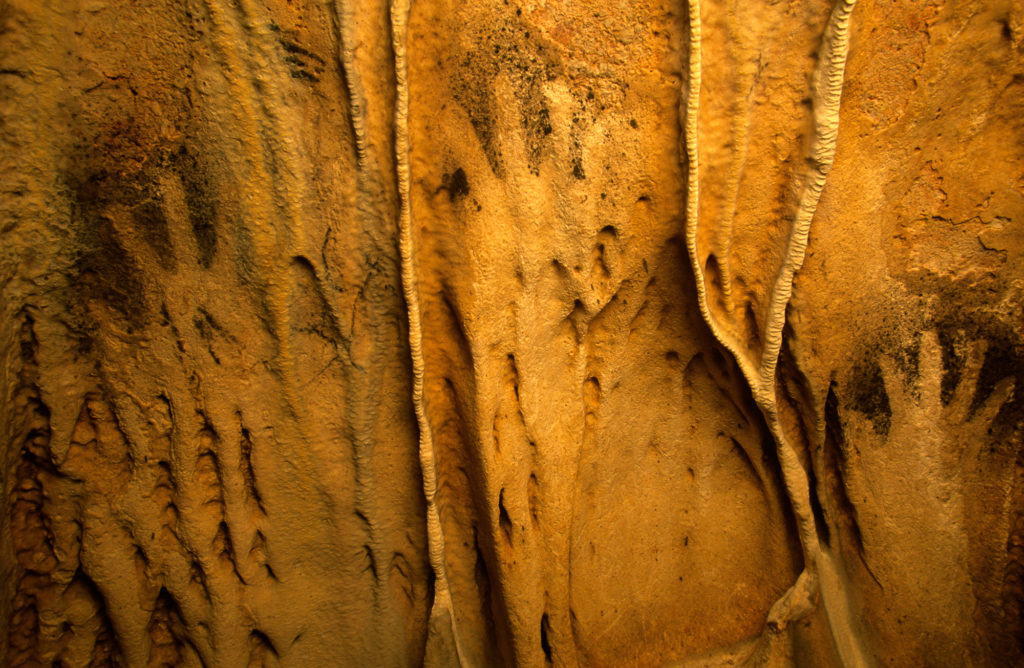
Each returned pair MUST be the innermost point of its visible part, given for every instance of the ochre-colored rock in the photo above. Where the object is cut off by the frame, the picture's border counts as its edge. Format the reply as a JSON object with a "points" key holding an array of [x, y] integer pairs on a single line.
{"points": [[357, 333]]}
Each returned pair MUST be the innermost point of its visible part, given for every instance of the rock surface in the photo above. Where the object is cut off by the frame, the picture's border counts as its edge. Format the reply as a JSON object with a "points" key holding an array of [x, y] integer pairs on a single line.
{"points": [[511, 333]]}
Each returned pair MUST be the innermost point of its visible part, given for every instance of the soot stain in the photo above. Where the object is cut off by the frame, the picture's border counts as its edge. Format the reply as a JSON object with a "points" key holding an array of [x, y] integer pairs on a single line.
{"points": [[456, 184], [103, 270], [200, 202], [508, 49], [1004, 359], [869, 396], [952, 344]]}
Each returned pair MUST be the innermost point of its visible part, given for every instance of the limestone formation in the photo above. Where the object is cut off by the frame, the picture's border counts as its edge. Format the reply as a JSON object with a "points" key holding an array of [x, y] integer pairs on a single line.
{"points": [[518, 332]]}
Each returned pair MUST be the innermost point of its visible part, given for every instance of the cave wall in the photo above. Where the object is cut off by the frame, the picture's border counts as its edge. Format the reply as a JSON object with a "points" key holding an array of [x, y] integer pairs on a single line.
{"points": [[511, 333]]}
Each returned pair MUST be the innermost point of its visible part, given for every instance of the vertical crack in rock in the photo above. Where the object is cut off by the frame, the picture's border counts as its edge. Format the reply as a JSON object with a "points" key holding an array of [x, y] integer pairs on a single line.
{"points": [[443, 645], [761, 377]]}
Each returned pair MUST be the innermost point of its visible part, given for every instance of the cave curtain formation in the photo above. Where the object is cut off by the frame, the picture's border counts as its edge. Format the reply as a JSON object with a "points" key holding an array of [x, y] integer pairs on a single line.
{"points": [[518, 332]]}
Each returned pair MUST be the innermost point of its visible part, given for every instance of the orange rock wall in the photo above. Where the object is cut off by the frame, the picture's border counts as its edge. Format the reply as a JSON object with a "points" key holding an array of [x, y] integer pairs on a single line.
{"points": [[511, 333]]}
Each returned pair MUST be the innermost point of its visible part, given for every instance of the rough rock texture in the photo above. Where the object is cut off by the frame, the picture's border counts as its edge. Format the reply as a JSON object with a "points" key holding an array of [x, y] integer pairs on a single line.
{"points": [[340, 332]]}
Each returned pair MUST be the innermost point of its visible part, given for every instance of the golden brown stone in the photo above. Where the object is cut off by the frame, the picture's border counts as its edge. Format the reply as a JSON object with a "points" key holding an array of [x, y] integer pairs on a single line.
{"points": [[511, 333]]}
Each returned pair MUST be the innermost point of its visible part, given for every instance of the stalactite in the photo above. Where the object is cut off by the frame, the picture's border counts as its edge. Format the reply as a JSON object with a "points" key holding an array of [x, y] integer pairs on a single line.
{"points": [[442, 616]]}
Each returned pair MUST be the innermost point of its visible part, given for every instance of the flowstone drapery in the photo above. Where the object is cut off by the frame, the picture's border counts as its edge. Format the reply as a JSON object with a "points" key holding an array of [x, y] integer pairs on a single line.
{"points": [[355, 332]]}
